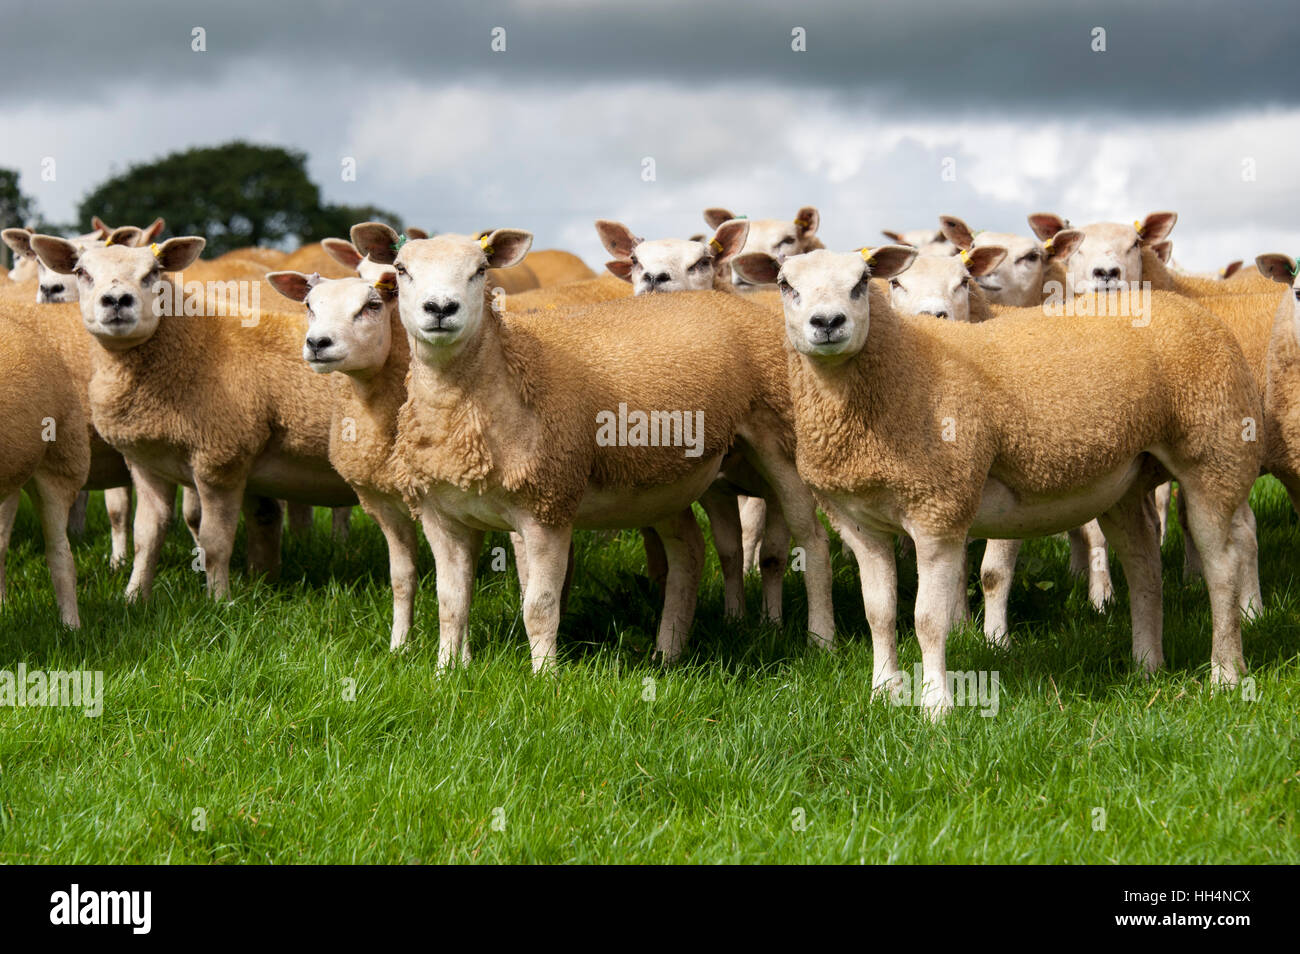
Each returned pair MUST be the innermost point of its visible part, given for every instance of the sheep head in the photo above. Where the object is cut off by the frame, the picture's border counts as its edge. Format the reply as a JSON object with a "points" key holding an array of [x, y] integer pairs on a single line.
{"points": [[1018, 279], [941, 285], [1110, 255], [664, 265], [925, 241], [440, 281], [1282, 269], [348, 319], [118, 283], [779, 238], [826, 295], [52, 288]]}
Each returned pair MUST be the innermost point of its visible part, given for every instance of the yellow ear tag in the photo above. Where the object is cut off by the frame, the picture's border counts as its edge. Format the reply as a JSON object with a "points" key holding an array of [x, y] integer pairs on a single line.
{"points": [[156, 249], [802, 223], [385, 286], [965, 257], [867, 256], [1137, 224], [715, 245], [487, 249], [108, 241], [1047, 246]]}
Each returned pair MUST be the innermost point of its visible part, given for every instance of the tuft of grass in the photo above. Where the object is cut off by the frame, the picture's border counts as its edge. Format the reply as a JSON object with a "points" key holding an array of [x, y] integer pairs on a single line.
{"points": [[278, 728]]}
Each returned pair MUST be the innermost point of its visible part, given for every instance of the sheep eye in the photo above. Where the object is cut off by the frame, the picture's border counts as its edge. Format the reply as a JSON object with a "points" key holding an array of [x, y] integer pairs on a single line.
{"points": [[895, 283], [632, 259], [400, 269], [1031, 257], [700, 264], [788, 240], [784, 285], [482, 270], [859, 288]]}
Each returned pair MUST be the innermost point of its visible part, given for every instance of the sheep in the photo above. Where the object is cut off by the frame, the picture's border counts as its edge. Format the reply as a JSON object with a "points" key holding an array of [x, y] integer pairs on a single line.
{"points": [[554, 267], [511, 425], [776, 237], [944, 430], [1028, 267], [925, 241], [745, 534], [51, 288], [1282, 388], [44, 446], [946, 286], [569, 295], [202, 400], [353, 329]]}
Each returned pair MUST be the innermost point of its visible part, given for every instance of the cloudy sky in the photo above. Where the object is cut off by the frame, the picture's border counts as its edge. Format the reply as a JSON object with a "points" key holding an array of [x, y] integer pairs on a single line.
{"points": [[1192, 106]]}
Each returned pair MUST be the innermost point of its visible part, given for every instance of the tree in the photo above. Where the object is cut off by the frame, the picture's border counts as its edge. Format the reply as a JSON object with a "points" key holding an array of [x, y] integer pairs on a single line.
{"points": [[234, 195], [16, 209]]}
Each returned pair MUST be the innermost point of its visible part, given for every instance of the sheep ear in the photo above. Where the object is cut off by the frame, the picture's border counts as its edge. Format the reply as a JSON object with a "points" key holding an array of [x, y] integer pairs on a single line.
{"points": [[20, 240], [1163, 251], [177, 253], [890, 260], [1280, 268], [956, 231], [620, 268], [127, 235], [808, 220], [58, 255], [982, 260], [1045, 224], [152, 232], [386, 286], [715, 217], [617, 238], [506, 247], [729, 239], [342, 251], [1063, 244], [413, 233], [893, 236], [375, 241], [1231, 269], [97, 225], [1156, 227], [292, 285], [757, 267]]}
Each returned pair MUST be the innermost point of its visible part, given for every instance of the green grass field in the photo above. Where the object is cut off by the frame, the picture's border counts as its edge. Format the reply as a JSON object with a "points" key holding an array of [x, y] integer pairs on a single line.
{"points": [[279, 729]]}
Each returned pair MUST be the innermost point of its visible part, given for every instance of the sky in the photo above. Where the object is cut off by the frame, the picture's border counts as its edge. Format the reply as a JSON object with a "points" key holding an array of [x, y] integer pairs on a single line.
{"points": [[893, 114]]}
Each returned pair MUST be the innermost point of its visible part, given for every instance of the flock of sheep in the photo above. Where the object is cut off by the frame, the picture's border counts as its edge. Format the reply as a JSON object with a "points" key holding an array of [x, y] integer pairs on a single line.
{"points": [[951, 385]]}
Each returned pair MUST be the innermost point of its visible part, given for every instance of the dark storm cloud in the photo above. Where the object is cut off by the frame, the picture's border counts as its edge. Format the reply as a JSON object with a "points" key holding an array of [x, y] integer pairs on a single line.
{"points": [[956, 55]]}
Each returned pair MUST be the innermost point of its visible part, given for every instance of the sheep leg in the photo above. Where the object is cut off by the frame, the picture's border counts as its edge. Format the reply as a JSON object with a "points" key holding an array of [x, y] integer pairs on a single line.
{"points": [[221, 506], [1244, 533], [77, 515], [155, 500], [723, 511], [521, 560], [684, 549], [300, 517], [1134, 530], [774, 557], [1090, 540], [752, 518], [548, 561], [117, 501], [341, 522], [878, 577], [655, 559], [800, 512], [455, 556], [1212, 525], [191, 511], [1162, 495], [400, 534], [263, 526], [941, 566], [8, 512], [54, 496], [997, 573], [1192, 569]]}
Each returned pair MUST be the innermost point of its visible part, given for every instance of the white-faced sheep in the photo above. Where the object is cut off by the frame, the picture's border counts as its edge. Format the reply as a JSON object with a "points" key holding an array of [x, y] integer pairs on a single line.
{"points": [[354, 329], [779, 238], [208, 401], [941, 430], [515, 425]]}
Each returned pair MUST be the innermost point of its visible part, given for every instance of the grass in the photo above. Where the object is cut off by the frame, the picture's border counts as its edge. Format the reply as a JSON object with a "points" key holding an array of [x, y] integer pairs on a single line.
{"points": [[279, 729]]}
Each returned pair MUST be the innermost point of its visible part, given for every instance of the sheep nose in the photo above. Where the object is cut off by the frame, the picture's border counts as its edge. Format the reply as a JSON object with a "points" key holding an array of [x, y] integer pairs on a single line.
{"points": [[48, 290], [1105, 274], [317, 345], [662, 278], [124, 300], [827, 322], [441, 309]]}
